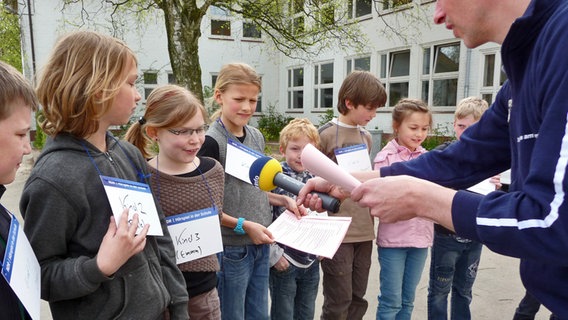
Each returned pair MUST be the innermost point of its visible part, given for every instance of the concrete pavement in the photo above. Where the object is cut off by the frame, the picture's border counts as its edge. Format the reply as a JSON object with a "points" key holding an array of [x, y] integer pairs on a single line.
{"points": [[496, 292]]}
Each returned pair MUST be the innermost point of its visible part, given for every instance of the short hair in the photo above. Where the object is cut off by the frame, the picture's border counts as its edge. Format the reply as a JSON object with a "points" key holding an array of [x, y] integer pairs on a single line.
{"points": [[471, 106], [14, 87], [235, 74], [406, 107], [299, 127], [80, 81], [361, 88], [168, 106]]}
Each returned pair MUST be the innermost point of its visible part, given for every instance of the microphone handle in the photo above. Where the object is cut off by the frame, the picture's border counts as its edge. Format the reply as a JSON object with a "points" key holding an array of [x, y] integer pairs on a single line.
{"points": [[292, 185]]}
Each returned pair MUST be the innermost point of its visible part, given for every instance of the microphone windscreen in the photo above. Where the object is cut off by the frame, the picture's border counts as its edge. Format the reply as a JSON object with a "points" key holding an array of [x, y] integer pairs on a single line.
{"points": [[262, 172]]}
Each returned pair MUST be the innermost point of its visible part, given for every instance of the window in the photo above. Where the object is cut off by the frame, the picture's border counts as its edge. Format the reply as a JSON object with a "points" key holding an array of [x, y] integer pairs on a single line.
{"points": [[323, 85], [359, 8], [150, 82], [493, 76], [296, 10], [393, 4], [220, 28], [296, 88], [220, 22], [250, 30], [394, 73], [363, 63], [171, 78], [440, 74]]}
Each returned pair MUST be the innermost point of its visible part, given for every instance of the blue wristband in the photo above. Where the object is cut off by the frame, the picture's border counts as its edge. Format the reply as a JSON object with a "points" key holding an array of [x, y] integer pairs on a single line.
{"points": [[239, 227]]}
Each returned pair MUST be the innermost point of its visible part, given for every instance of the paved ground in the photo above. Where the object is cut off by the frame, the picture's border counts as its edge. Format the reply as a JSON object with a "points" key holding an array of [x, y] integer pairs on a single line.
{"points": [[497, 289]]}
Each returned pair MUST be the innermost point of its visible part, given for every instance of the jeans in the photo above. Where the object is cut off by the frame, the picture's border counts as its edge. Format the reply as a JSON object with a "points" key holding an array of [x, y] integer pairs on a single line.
{"points": [[401, 269], [293, 292], [243, 282], [453, 267], [345, 279]]}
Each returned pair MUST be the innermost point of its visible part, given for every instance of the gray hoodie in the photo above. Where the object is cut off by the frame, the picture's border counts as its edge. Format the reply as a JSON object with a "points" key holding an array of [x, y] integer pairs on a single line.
{"points": [[67, 214]]}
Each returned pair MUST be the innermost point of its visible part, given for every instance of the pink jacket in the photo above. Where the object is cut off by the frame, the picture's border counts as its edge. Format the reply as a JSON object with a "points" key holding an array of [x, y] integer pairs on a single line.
{"points": [[416, 232]]}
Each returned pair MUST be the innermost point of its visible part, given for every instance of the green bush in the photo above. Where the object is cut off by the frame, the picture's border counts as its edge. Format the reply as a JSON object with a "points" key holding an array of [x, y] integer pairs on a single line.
{"points": [[39, 140], [271, 123], [325, 117], [439, 135]]}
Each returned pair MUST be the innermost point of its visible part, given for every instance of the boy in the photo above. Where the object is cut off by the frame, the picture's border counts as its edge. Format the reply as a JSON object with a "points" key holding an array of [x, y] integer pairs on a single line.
{"points": [[345, 276], [454, 261], [294, 275], [17, 100]]}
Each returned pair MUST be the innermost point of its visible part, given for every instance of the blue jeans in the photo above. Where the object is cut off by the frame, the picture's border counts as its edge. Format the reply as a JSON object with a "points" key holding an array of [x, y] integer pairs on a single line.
{"points": [[401, 269], [453, 266], [243, 282], [293, 292]]}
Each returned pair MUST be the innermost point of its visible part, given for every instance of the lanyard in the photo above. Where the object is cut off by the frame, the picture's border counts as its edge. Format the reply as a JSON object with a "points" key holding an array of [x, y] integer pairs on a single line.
{"points": [[228, 134]]}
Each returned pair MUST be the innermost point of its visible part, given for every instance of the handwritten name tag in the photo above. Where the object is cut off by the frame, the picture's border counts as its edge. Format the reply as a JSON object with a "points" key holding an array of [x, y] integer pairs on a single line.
{"points": [[135, 196], [195, 234], [239, 159], [21, 269], [354, 158]]}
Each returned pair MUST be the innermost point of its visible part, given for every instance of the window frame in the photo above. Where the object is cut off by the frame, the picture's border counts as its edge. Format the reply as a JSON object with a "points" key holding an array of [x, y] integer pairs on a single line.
{"points": [[292, 89], [386, 63], [319, 87], [429, 76]]}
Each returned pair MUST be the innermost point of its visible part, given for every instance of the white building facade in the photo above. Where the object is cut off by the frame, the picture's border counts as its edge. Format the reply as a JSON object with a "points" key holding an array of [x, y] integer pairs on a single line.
{"points": [[426, 62]]}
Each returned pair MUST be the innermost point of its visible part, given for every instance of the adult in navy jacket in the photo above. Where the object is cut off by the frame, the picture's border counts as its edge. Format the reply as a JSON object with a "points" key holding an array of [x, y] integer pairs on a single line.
{"points": [[525, 129]]}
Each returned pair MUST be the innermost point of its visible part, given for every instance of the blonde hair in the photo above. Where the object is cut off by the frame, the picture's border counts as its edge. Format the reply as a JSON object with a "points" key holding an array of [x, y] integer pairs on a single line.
{"points": [[361, 88], [234, 74], [168, 106], [471, 106], [405, 107], [13, 86], [80, 81], [299, 127]]}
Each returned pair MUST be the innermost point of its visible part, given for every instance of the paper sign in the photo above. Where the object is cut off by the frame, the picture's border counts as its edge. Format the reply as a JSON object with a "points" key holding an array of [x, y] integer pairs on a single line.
{"points": [[21, 269], [239, 159], [317, 235], [354, 158], [195, 234], [135, 196]]}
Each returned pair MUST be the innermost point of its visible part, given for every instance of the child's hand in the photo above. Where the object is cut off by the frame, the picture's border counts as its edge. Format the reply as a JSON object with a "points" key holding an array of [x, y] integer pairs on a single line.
{"points": [[282, 264], [496, 180], [120, 243], [258, 233], [297, 210]]}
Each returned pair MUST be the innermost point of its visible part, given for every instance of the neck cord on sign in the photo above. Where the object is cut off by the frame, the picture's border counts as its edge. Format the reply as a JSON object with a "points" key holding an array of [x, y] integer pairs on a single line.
{"points": [[3, 242], [337, 134], [237, 140], [141, 176], [200, 173]]}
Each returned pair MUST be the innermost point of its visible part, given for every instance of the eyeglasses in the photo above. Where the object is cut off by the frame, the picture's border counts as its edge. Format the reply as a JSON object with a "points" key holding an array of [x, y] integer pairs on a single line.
{"points": [[189, 132]]}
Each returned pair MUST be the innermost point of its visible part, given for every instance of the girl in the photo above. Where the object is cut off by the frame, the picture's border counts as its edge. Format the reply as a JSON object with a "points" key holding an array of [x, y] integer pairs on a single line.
{"points": [[403, 246], [93, 267], [243, 279], [183, 182]]}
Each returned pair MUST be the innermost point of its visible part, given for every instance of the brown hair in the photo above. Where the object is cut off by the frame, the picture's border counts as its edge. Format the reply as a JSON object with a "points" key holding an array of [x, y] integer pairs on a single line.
{"points": [[299, 127], [471, 105], [235, 73], [361, 88], [80, 81], [406, 107], [13, 86], [167, 107]]}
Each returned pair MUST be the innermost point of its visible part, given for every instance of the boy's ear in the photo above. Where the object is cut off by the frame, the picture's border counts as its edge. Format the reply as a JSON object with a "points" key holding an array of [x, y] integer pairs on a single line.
{"points": [[349, 104], [282, 151]]}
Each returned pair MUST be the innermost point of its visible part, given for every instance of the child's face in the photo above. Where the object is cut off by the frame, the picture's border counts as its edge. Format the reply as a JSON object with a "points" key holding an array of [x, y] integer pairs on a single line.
{"points": [[238, 103], [15, 140], [125, 101], [461, 124], [293, 152], [413, 130], [359, 115], [181, 149]]}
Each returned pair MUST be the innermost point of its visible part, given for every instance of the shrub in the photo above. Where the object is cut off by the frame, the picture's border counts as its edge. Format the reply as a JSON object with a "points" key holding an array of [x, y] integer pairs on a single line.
{"points": [[271, 123]]}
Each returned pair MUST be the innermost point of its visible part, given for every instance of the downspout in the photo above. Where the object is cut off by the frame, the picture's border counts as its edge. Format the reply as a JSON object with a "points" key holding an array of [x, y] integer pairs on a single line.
{"points": [[32, 46], [467, 72]]}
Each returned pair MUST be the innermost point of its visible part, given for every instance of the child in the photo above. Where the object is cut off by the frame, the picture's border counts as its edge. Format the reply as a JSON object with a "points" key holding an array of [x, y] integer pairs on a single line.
{"points": [[243, 279], [92, 267], [345, 276], [17, 100], [294, 276], [403, 246], [183, 182], [454, 260]]}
